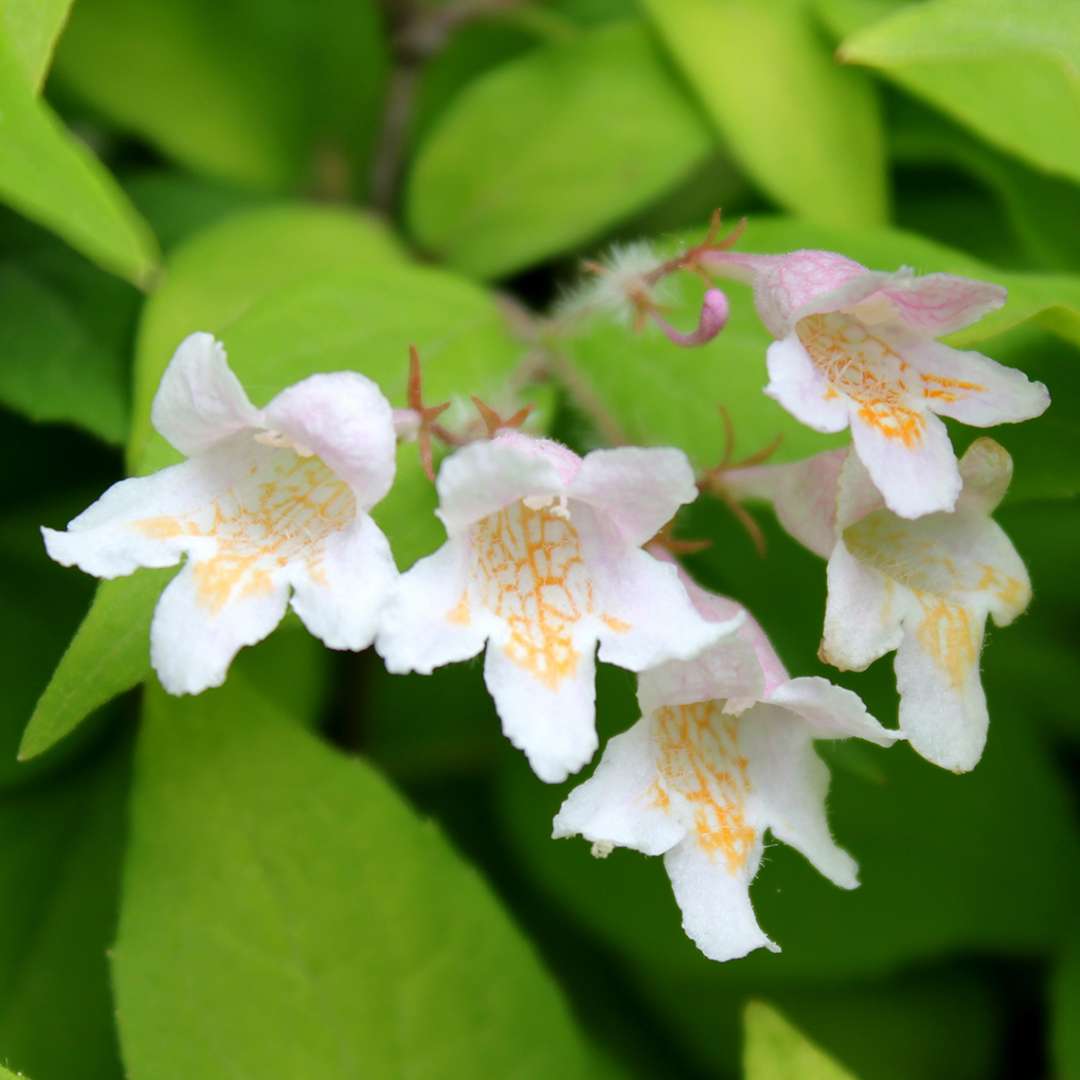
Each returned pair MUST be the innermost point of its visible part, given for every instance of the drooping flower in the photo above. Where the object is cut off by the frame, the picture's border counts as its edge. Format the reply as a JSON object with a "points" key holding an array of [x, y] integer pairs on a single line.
{"points": [[543, 560], [923, 588], [270, 502], [856, 347], [722, 752]]}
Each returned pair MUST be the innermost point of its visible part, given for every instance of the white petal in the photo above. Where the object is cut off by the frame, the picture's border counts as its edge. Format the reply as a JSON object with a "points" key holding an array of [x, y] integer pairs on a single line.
{"points": [[191, 646], [942, 704], [485, 476], [863, 613], [554, 725], [797, 384], [830, 712], [986, 469], [789, 784], [622, 803], [715, 902], [640, 489], [916, 477], [429, 621], [728, 669], [344, 418], [938, 304], [340, 596], [199, 401], [974, 389], [856, 496]]}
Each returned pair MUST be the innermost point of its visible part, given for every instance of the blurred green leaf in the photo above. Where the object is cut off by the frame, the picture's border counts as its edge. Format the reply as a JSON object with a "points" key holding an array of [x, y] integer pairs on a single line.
{"points": [[776, 1050], [550, 149], [272, 94], [59, 879], [52, 178], [1006, 68], [1065, 1014], [31, 27], [808, 131], [53, 367], [329, 931], [225, 270]]}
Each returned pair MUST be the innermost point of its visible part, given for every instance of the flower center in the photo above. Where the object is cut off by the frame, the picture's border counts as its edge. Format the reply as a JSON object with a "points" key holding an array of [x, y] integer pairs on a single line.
{"points": [[700, 759]]}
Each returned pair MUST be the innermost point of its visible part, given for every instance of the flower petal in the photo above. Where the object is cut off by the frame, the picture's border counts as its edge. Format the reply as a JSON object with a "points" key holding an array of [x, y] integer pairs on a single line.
{"points": [[715, 901], [340, 595], [986, 469], [830, 712], [863, 613], [942, 705], [914, 466], [553, 723], [938, 304], [191, 646], [974, 389], [800, 388], [730, 669], [485, 476], [428, 621], [199, 401], [621, 802], [790, 783], [640, 489], [344, 418]]}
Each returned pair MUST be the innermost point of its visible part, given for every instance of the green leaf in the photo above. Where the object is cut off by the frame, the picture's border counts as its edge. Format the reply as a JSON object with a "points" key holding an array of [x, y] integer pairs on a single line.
{"points": [[54, 368], [550, 149], [32, 27], [46, 174], [776, 1050], [59, 878], [1008, 69], [1065, 1005], [329, 931], [276, 93], [808, 131]]}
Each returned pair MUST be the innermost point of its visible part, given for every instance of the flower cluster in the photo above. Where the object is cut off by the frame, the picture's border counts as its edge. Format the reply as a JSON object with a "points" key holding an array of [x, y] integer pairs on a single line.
{"points": [[549, 562]]}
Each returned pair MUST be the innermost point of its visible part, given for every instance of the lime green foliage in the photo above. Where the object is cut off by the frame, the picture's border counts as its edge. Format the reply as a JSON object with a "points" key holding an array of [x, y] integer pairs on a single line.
{"points": [[1008, 69], [775, 1050], [329, 930], [547, 150], [32, 27], [56, 181], [807, 131], [268, 93]]}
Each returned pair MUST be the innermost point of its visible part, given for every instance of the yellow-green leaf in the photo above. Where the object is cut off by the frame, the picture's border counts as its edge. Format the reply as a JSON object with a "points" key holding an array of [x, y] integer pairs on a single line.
{"points": [[777, 1050]]}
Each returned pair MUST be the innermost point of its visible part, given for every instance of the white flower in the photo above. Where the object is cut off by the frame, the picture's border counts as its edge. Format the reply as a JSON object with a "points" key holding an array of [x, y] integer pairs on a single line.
{"points": [[923, 588], [543, 561], [269, 501], [722, 752], [857, 348]]}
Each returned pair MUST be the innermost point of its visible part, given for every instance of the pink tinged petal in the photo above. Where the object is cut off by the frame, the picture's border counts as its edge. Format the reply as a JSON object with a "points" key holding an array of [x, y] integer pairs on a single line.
{"points": [[790, 784], [856, 496], [863, 613], [986, 469], [199, 401], [938, 304], [639, 489], [192, 645], [344, 419], [796, 383], [714, 316], [942, 705], [974, 389], [429, 620], [830, 712], [340, 591], [803, 496], [623, 803], [909, 458], [715, 901], [552, 722], [483, 477], [727, 670]]}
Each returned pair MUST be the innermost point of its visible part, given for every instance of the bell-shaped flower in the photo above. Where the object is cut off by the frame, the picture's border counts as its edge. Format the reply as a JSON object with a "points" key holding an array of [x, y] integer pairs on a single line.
{"points": [[270, 502], [856, 347], [923, 587], [722, 752], [543, 560]]}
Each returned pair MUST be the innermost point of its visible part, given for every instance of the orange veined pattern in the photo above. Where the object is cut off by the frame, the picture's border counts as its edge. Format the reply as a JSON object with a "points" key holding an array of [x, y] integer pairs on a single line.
{"points": [[277, 515], [948, 633], [700, 759], [529, 570]]}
